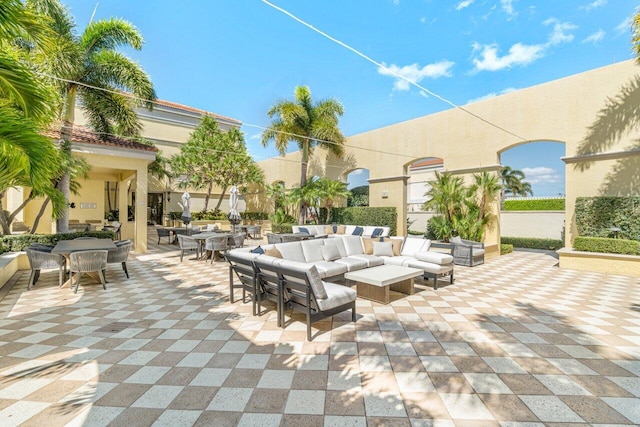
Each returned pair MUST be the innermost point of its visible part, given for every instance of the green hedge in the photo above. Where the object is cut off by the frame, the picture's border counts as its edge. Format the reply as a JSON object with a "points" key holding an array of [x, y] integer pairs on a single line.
{"points": [[17, 242], [254, 216], [534, 205], [366, 215], [606, 245], [505, 249], [533, 243], [3, 249], [596, 215], [282, 228]]}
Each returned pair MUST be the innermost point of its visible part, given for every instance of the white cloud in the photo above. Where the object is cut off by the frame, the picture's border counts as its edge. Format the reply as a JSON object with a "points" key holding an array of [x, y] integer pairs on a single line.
{"points": [[256, 136], [396, 2], [463, 4], [595, 37], [560, 31], [594, 4], [492, 95], [356, 172], [507, 7], [624, 26], [519, 54], [415, 73], [541, 175]]}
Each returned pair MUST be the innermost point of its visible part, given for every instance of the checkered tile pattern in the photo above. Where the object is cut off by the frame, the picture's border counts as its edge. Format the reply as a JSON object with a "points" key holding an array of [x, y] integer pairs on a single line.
{"points": [[514, 342]]}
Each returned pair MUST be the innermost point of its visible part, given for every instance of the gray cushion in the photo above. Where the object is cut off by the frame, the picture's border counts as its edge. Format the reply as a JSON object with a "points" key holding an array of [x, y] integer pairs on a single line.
{"points": [[434, 257]]}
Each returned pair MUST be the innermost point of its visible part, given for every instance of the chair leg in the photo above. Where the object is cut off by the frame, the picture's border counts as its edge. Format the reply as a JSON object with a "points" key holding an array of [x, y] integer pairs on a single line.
{"points": [[79, 275], [31, 281], [61, 274], [101, 274], [124, 267], [181, 254], [36, 277], [353, 312]]}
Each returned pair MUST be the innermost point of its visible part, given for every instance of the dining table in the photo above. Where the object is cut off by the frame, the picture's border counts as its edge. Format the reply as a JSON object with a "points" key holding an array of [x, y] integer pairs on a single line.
{"points": [[67, 247]]}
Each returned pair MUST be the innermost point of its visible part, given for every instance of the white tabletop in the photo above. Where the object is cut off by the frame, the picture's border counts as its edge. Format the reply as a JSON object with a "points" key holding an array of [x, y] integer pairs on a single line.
{"points": [[65, 247], [383, 275]]}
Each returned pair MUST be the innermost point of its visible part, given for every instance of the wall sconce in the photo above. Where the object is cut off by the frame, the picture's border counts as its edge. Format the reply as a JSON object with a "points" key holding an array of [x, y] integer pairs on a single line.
{"points": [[385, 194], [72, 205]]}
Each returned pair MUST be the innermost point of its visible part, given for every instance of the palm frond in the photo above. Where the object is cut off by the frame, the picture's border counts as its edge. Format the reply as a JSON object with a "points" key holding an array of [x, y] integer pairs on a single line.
{"points": [[109, 112], [20, 86], [109, 34], [111, 68]]}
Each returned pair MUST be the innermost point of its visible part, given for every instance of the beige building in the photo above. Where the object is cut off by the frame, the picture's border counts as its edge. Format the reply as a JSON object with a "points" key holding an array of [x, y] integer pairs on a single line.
{"points": [[471, 138]]}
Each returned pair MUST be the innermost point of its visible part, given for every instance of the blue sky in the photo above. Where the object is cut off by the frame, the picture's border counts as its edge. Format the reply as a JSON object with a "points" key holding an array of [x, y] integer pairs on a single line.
{"points": [[236, 57]]}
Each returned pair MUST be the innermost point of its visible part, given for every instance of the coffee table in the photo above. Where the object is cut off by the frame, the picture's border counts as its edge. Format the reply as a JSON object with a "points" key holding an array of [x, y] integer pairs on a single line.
{"points": [[374, 283]]}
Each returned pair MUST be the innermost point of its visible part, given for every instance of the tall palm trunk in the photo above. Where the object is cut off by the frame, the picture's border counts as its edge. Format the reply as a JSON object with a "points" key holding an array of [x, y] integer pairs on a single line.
{"points": [[62, 223], [303, 181]]}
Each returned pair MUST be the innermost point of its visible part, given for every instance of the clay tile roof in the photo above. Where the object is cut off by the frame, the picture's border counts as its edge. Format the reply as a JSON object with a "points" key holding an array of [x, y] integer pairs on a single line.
{"points": [[194, 110], [84, 135], [427, 162]]}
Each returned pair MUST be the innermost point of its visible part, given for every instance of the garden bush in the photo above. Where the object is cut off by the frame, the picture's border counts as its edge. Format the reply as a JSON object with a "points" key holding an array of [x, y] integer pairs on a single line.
{"points": [[282, 228], [366, 215], [3, 249], [17, 242], [212, 215], [534, 205], [254, 216], [606, 245], [505, 249], [533, 243], [596, 215]]}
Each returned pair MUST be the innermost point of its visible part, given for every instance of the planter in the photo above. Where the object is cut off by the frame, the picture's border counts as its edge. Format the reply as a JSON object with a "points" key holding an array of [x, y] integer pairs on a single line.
{"points": [[627, 265]]}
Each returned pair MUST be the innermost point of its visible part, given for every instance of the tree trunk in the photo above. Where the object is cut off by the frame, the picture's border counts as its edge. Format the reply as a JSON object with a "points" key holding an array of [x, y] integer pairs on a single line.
{"points": [[108, 196], [208, 196], [303, 181], [66, 132], [224, 191], [40, 213], [4, 220]]}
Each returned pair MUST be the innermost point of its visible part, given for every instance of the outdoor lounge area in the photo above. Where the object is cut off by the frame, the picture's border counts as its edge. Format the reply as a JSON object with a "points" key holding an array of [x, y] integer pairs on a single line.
{"points": [[515, 341]]}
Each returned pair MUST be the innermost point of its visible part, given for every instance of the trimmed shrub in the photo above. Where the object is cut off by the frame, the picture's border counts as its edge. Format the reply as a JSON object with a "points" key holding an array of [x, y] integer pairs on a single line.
{"points": [[533, 243], [596, 215], [606, 245], [17, 242], [282, 228], [366, 215], [3, 249], [534, 205], [254, 216], [505, 249], [416, 233]]}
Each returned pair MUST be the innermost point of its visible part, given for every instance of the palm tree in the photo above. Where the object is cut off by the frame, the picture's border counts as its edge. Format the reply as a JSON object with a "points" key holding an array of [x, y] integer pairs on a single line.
{"points": [[635, 38], [309, 124], [89, 66], [329, 190], [512, 182]]}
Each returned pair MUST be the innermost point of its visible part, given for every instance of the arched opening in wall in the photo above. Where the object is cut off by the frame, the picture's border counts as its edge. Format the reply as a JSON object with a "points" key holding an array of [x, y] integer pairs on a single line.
{"points": [[533, 179], [358, 185], [421, 172]]}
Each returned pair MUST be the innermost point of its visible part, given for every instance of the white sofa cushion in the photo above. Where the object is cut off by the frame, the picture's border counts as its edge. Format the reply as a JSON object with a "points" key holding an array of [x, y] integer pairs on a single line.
{"points": [[353, 245], [372, 260], [312, 250], [434, 257], [397, 260], [330, 252], [330, 268], [412, 246], [338, 243], [312, 274], [353, 263], [337, 295], [349, 229], [292, 251], [382, 248], [429, 267]]}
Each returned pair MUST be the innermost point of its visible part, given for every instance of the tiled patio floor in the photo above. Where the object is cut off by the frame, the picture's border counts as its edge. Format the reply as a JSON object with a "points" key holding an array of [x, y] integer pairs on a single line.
{"points": [[514, 342]]}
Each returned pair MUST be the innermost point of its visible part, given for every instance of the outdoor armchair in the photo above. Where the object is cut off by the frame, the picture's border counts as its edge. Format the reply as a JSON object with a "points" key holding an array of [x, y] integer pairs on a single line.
{"points": [[253, 231], [187, 243], [236, 240], [216, 243], [121, 254], [163, 232], [466, 252], [273, 238], [41, 258], [87, 262]]}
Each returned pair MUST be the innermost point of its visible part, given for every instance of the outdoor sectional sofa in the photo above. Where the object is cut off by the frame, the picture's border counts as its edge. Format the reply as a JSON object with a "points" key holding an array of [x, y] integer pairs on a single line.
{"points": [[335, 256], [342, 230]]}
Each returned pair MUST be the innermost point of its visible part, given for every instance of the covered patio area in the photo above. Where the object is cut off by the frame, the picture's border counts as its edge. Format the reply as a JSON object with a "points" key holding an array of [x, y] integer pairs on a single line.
{"points": [[514, 342]]}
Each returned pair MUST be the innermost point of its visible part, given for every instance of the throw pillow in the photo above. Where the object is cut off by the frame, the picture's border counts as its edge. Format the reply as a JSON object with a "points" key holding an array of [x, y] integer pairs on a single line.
{"points": [[368, 246], [456, 239], [357, 231], [274, 252], [303, 230], [377, 232], [382, 248], [257, 250], [395, 243], [316, 283], [341, 229], [328, 229], [330, 252]]}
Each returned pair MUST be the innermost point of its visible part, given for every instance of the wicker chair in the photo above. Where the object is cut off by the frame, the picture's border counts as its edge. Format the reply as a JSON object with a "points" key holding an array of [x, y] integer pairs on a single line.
{"points": [[187, 243], [87, 262], [466, 252], [42, 259], [253, 231], [216, 243], [121, 254], [273, 238], [163, 232], [236, 240]]}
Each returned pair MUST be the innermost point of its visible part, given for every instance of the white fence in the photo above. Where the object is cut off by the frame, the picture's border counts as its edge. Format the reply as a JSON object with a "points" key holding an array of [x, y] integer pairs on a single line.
{"points": [[540, 224]]}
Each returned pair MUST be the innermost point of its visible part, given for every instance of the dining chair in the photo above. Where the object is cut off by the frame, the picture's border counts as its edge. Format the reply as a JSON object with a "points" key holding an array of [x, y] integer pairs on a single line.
{"points": [[187, 243], [87, 262], [163, 232], [121, 254], [42, 259], [216, 243]]}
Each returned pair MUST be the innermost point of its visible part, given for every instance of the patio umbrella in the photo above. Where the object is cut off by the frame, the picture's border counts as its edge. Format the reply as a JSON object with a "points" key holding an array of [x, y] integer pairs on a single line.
{"points": [[186, 205], [233, 216]]}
